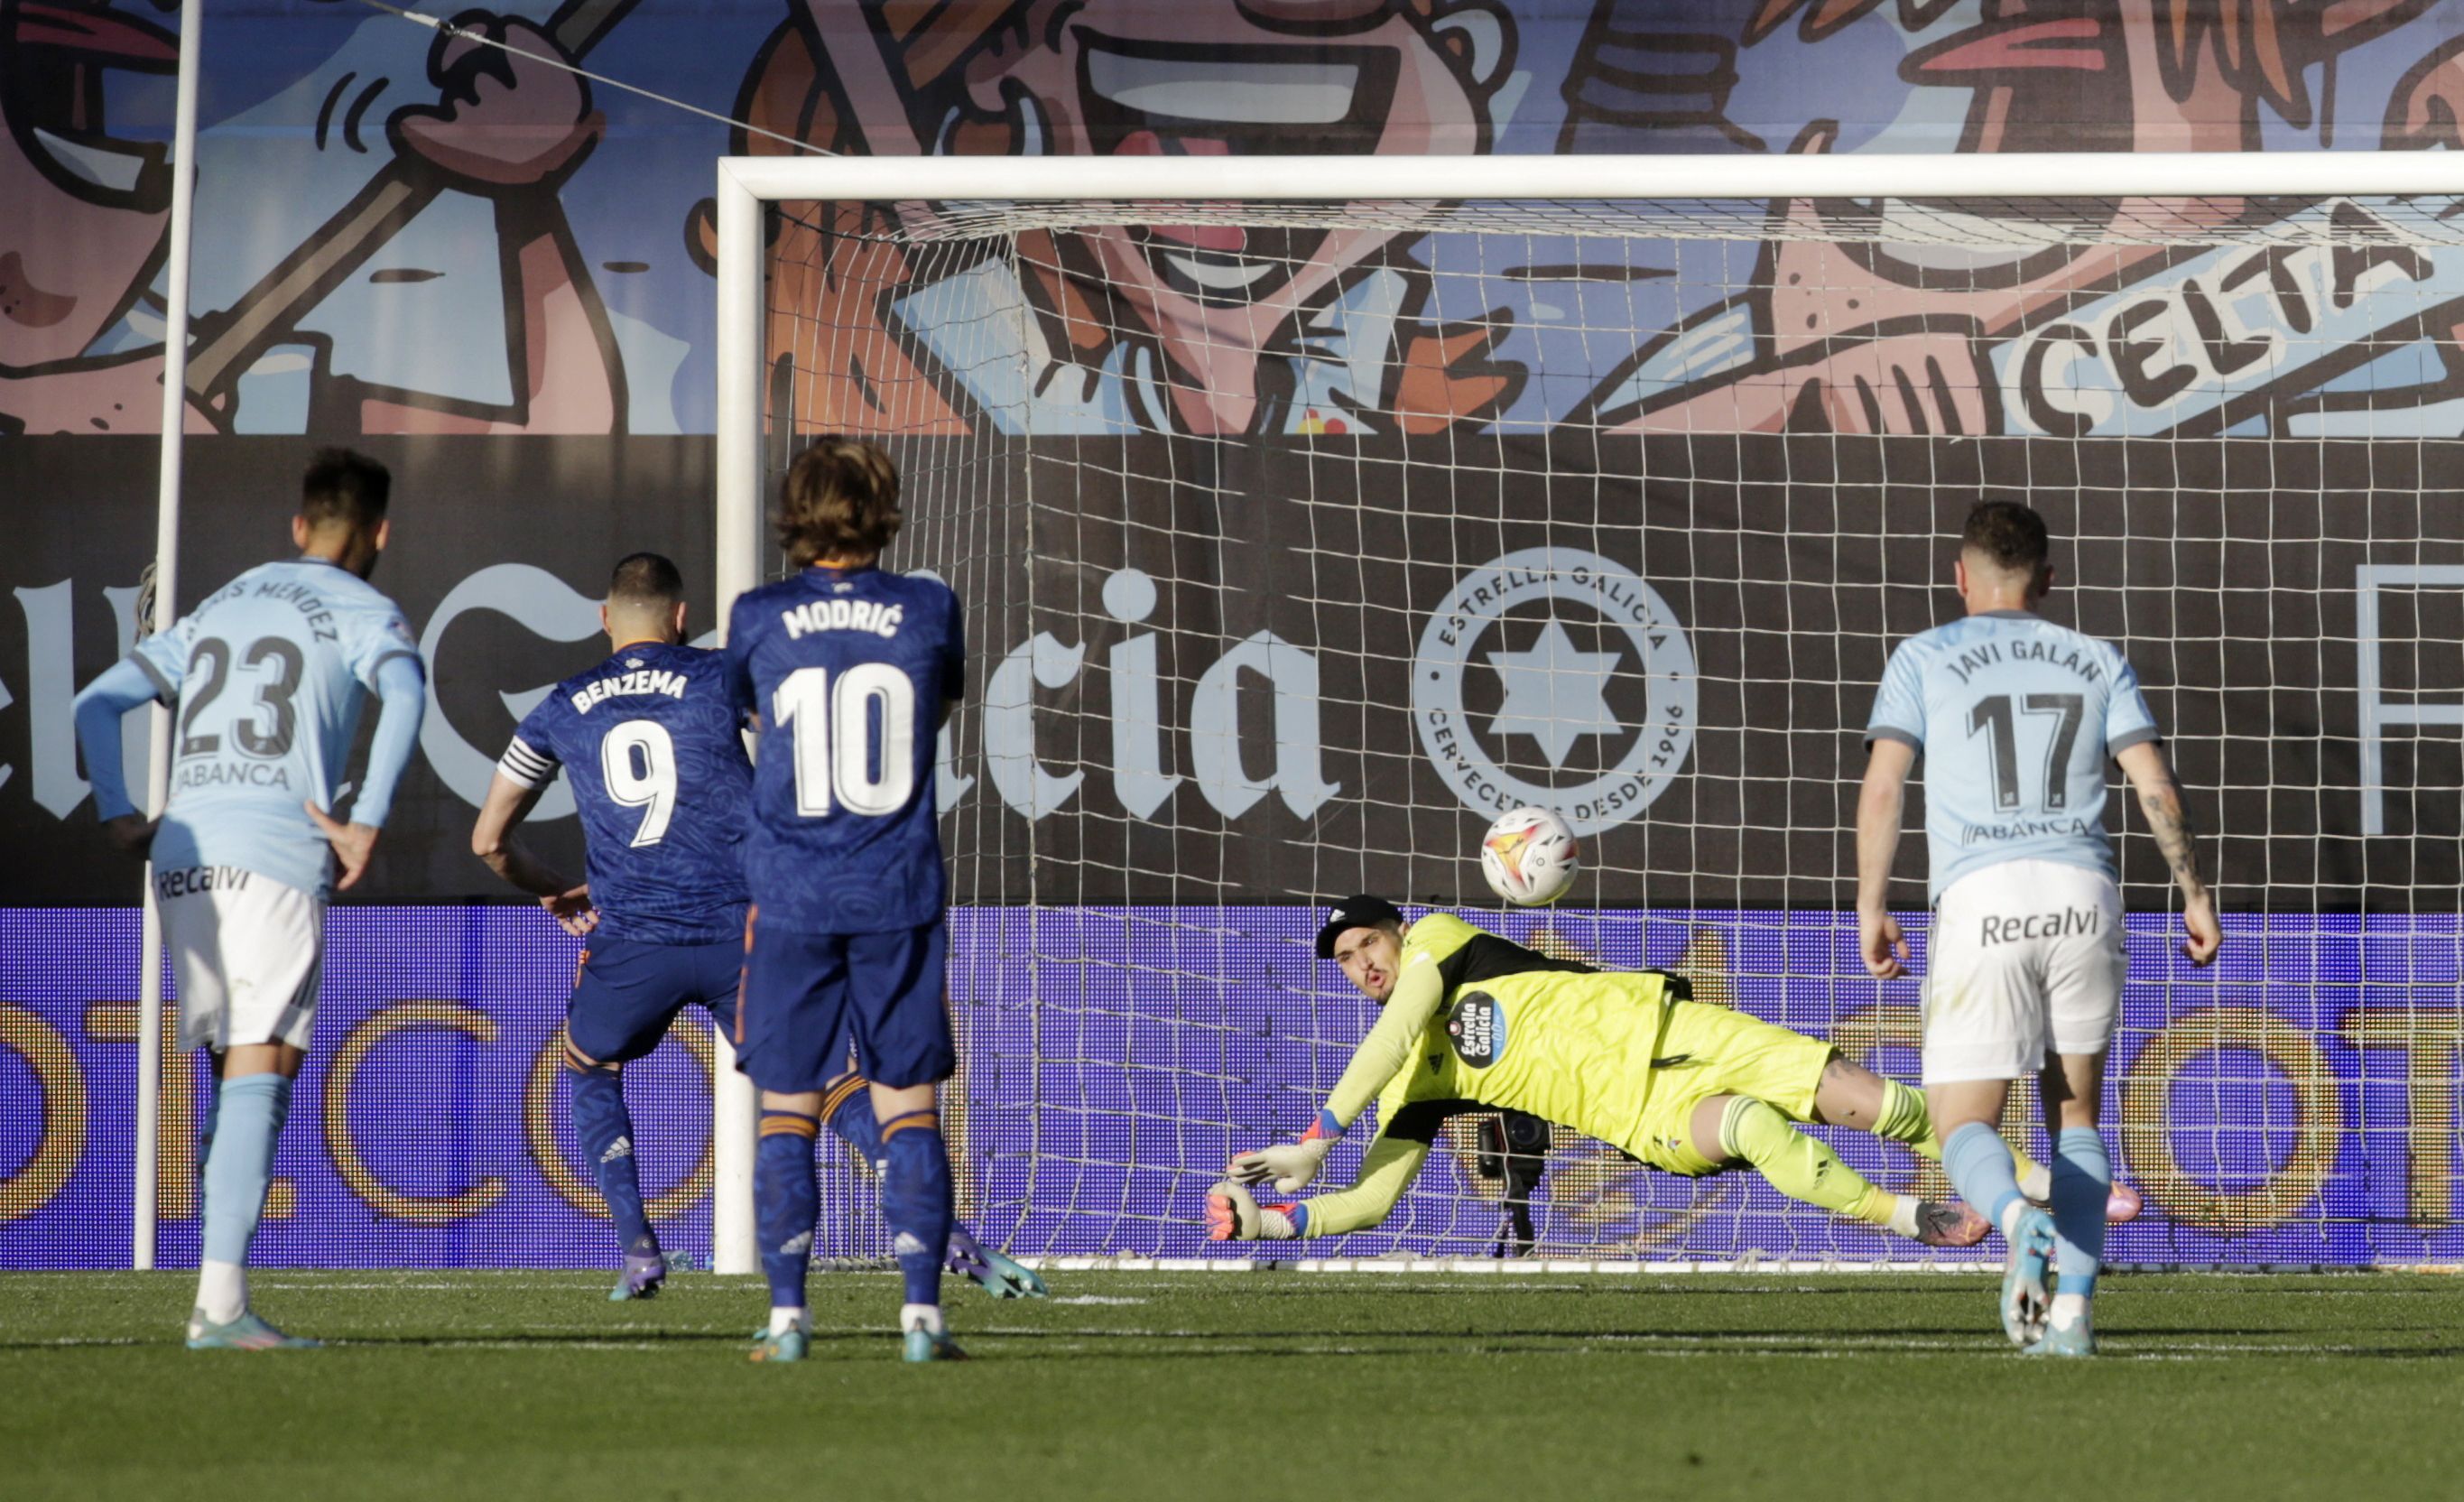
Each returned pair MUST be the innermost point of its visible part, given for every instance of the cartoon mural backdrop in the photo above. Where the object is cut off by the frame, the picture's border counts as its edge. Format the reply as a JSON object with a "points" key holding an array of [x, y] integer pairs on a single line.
{"points": [[405, 231]]}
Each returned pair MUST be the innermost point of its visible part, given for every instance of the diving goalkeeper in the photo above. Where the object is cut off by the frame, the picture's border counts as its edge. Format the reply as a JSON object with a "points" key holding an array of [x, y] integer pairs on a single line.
{"points": [[1473, 1022]]}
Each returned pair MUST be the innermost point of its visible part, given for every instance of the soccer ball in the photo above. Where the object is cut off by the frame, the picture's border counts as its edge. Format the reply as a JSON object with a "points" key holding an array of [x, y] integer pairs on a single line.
{"points": [[1529, 857]]}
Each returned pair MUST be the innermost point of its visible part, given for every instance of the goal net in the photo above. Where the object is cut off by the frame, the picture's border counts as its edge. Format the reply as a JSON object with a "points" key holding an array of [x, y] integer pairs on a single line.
{"points": [[1308, 514]]}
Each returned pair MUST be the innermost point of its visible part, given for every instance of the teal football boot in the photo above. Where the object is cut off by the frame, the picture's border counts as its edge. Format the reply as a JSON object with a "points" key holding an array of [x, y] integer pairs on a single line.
{"points": [[247, 1332], [787, 1345], [2024, 1295], [2074, 1339], [643, 1275], [930, 1345], [994, 1272]]}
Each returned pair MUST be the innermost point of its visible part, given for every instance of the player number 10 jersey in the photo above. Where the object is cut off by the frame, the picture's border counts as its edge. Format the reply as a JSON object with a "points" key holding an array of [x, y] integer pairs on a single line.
{"points": [[847, 671]]}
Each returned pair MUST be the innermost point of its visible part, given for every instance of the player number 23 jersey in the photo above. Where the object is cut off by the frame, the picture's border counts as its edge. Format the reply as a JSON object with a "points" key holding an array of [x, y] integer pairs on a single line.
{"points": [[268, 676]]}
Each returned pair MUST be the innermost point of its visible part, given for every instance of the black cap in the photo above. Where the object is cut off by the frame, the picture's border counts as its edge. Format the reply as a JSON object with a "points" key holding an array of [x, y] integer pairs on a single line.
{"points": [[1361, 912]]}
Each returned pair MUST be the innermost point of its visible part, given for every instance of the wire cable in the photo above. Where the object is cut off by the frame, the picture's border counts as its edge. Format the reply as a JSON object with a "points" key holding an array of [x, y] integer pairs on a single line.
{"points": [[448, 29]]}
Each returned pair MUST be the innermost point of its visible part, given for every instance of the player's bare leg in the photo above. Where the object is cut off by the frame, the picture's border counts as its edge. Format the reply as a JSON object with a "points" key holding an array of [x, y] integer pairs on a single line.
{"points": [[1968, 1114], [2072, 1085], [1851, 1096], [785, 1205], [918, 1202], [1728, 1128], [252, 1101]]}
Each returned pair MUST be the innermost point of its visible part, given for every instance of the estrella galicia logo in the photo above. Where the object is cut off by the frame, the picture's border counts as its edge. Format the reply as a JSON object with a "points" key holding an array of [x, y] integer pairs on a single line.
{"points": [[1476, 1029], [1553, 693]]}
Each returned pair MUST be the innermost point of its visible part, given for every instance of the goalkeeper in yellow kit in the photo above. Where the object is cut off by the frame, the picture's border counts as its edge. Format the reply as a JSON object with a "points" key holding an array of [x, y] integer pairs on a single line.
{"points": [[1473, 1022]]}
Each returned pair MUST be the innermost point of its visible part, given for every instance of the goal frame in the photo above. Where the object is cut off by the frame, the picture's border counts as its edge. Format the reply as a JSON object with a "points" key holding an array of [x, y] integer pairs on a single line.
{"points": [[745, 184]]}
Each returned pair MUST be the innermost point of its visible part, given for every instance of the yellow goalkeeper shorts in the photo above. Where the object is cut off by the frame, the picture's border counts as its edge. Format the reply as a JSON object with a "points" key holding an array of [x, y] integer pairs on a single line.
{"points": [[1705, 1051]]}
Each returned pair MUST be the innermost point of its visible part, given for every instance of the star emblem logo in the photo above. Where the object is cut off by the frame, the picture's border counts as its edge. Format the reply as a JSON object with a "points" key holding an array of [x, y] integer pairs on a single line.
{"points": [[1555, 693]]}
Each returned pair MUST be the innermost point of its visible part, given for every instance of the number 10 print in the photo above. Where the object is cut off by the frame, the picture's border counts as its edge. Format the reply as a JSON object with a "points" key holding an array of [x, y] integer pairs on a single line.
{"points": [[831, 725]]}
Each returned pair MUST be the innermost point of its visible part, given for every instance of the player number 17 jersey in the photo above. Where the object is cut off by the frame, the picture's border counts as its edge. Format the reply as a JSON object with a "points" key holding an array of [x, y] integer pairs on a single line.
{"points": [[2016, 717]]}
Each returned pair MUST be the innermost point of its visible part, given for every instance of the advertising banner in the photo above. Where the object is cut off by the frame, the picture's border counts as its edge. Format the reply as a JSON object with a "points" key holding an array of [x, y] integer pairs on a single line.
{"points": [[1207, 671], [2297, 1105]]}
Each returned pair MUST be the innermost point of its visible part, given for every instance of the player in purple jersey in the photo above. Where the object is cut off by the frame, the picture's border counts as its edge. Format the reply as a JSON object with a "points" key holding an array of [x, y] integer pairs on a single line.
{"points": [[651, 742], [653, 745], [850, 670]]}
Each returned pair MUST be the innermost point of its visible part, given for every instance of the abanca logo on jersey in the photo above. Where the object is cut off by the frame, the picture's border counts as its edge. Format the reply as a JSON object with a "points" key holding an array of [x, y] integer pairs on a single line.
{"points": [[1553, 693]]}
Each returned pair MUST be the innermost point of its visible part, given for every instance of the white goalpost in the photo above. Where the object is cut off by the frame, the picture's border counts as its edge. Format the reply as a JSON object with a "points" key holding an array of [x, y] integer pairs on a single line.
{"points": [[1264, 609], [146, 1178]]}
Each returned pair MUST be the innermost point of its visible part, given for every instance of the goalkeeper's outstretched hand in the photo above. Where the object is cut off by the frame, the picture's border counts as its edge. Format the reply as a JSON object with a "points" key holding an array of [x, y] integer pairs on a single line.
{"points": [[1291, 1165], [1234, 1214]]}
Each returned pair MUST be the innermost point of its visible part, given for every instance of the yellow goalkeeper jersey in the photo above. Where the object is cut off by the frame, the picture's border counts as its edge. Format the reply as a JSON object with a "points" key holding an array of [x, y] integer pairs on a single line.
{"points": [[1518, 1029]]}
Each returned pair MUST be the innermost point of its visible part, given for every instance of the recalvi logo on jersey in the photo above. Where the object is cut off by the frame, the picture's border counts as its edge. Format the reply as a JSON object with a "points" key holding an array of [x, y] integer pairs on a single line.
{"points": [[2061, 923]]}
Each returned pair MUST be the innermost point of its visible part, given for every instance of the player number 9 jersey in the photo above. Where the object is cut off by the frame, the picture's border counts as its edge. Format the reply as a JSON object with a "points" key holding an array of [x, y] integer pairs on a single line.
{"points": [[847, 671], [651, 742]]}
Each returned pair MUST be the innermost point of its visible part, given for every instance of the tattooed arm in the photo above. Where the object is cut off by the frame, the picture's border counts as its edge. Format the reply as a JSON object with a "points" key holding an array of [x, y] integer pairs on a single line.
{"points": [[2160, 799]]}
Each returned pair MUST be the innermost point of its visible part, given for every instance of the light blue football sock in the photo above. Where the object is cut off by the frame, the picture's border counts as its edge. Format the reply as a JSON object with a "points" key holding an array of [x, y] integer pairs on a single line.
{"points": [[2082, 1178], [248, 1118], [1980, 1167]]}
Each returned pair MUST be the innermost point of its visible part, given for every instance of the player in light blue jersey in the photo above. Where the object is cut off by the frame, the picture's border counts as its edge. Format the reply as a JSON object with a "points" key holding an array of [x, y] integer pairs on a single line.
{"points": [[266, 679], [2016, 717]]}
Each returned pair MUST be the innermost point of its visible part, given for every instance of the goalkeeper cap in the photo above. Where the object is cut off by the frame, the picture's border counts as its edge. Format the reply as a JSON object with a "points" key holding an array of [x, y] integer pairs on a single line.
{"points": [[1360, 911]]}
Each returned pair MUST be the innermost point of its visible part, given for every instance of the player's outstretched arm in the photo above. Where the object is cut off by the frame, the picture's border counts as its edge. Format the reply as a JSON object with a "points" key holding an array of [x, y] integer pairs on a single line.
{"points": [[1879, 939], [1392, 1164], [1380, 1058], [1386, 1171], [2160, 799], [121, 688], [491, 839]]}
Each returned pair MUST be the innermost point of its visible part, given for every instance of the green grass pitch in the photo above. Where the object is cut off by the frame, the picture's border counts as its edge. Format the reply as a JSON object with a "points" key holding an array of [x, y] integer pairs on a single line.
{"points": [[1253, 1386]]}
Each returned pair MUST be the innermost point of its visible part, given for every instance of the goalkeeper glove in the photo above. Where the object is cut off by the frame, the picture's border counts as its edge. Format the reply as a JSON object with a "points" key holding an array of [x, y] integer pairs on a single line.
{"points": [[1234, 1214], [1290, 1166]]}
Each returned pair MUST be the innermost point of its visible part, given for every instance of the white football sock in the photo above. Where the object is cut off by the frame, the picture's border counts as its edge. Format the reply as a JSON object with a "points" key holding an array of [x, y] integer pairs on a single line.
{"points": [[783, 1319], [920, 1317], [2068, 1309], [2038, 1182], [1903, 1215], [222, 1291]]}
